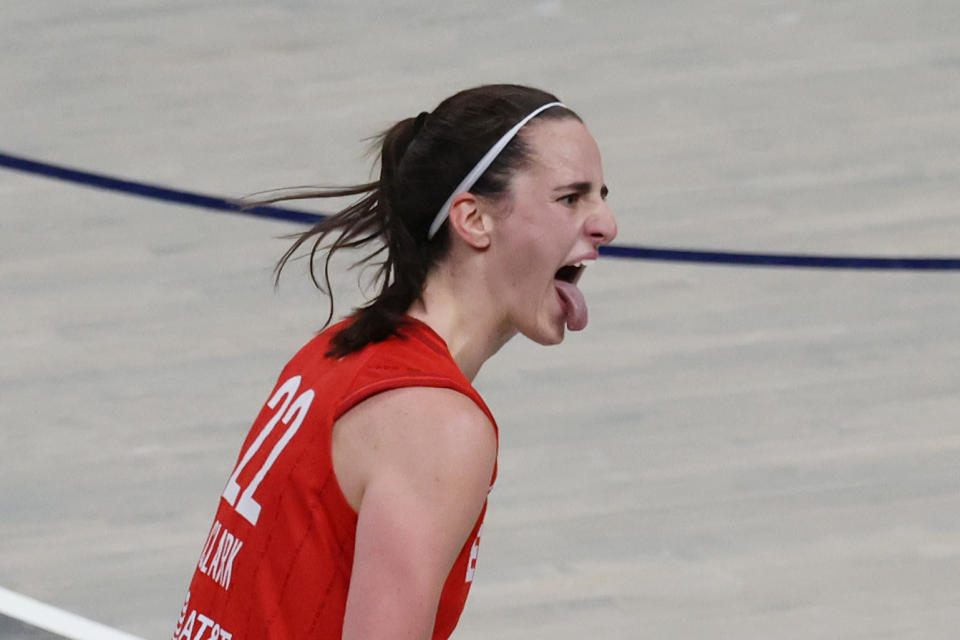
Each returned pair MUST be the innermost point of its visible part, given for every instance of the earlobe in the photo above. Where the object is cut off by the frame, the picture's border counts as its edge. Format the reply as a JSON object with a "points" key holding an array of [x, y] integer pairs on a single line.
{"points": [[468, 221]]}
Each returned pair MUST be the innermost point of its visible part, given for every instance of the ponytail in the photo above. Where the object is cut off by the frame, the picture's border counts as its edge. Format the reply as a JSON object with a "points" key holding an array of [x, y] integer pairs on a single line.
{"points": [[369, 219]]}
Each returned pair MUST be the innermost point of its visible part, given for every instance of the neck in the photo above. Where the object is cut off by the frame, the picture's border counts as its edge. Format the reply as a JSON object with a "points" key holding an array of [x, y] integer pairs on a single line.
{"points": [[461, 312]]}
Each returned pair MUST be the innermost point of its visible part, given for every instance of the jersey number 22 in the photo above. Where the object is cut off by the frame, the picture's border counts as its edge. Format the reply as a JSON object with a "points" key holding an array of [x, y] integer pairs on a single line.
{"points": [[291, 413]]}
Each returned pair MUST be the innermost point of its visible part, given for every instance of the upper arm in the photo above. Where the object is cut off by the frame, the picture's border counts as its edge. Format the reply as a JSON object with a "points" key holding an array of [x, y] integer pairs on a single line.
{"points": [[420, 462]]}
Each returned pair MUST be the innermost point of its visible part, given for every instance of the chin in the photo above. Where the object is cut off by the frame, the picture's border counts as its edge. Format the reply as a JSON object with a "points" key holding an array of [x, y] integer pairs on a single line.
{"points": [[547, 335]]}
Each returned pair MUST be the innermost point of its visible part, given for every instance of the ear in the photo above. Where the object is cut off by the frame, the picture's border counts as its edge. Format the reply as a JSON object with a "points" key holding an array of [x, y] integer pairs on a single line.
{"points": [[468, 220]]}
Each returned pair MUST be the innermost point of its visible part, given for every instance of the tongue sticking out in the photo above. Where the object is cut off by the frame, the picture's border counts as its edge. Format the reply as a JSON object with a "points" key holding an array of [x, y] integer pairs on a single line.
{"points": [[574, 306]]}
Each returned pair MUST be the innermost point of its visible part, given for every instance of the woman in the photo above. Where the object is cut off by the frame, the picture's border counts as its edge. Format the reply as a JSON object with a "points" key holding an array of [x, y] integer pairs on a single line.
{"points": [[355, 507]]}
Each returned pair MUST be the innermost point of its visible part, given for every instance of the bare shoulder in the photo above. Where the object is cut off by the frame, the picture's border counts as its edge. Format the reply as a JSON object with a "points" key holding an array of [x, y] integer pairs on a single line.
{"points": [[416, 465], [424, 434]]}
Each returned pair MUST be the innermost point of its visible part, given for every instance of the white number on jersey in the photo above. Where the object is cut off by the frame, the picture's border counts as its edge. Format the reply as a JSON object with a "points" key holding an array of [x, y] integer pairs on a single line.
{"points": [[290, 409]]}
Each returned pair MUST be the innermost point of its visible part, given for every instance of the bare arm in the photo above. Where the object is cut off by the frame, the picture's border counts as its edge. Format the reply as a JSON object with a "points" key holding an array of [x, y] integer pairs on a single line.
{"points": [[417, 463]]}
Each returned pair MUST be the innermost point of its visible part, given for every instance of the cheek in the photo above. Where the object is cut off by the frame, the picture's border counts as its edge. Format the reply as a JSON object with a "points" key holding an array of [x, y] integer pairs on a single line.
{"points": [[532, 248], [534, 258]]}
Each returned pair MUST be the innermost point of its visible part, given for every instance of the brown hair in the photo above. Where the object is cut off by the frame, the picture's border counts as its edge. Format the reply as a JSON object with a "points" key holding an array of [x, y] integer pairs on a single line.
{"points": [[422, 160]]}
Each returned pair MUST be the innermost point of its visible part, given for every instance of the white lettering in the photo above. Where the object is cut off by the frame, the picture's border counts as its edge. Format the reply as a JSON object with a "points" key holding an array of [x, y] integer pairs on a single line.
{"points": [[215, 562], [222, 563], [228, 565], [218, 564], [187, 632], [208, 547], [206, 622], [183, 615], [474, 553]]}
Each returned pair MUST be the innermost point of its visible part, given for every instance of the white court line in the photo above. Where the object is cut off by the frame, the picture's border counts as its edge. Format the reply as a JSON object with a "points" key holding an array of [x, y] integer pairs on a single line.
{"points": [[64, 623]]}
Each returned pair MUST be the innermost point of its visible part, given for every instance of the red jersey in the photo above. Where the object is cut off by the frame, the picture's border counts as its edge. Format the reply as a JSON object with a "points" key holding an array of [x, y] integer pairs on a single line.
{"points": [[278, 558]]}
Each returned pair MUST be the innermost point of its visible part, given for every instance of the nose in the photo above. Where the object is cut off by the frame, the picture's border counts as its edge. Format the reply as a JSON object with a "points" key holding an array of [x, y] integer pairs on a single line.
{"points": [[602, 225]]}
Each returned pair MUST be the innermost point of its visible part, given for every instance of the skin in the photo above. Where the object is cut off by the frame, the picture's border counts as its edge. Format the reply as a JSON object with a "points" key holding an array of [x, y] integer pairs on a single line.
{"points": [[418, 480]]}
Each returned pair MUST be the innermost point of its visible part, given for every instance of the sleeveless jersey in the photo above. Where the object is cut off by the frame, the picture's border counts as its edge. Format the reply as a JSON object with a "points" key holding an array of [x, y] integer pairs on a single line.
{"points": [[278, 557]]}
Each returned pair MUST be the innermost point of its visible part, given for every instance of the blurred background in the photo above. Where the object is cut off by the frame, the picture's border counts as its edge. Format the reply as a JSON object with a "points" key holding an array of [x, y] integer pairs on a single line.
{"points": [[725, 452]]}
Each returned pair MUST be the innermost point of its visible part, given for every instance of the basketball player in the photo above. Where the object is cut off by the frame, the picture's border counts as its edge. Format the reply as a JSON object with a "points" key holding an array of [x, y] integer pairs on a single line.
{"points": [[355, 506]]}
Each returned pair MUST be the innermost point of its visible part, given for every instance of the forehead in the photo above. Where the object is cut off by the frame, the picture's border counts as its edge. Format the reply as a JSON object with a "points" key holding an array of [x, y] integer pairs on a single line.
{"points": [[563, 150]]}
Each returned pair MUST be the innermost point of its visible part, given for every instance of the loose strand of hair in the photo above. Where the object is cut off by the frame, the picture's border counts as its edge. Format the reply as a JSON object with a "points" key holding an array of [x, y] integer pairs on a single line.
{"points": [[353, 226]]}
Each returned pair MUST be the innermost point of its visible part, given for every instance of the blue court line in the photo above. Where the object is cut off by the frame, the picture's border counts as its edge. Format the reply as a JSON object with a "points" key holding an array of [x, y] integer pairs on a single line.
{"points": [[151, 191], [188, 198]]}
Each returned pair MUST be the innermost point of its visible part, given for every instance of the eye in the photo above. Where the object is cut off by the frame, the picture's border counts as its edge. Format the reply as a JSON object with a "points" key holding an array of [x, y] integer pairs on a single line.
{"points": [[570, 199]]}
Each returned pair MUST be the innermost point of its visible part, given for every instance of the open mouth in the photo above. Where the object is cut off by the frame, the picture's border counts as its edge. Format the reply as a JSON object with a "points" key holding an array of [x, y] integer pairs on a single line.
{"points": [[570, 273], [571, 298]]}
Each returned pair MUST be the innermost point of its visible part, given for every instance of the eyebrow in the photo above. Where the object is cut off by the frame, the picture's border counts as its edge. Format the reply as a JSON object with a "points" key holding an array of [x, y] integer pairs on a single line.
{"points": [[583, 187]]}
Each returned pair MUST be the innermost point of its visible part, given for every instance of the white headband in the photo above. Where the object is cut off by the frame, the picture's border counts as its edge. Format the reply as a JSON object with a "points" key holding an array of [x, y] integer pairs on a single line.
{"points": [[483, 165]]}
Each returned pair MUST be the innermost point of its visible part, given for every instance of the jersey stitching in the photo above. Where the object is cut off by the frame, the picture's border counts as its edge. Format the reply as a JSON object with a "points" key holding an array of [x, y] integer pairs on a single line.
{"points": [[322, 605], [293, 562]]}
